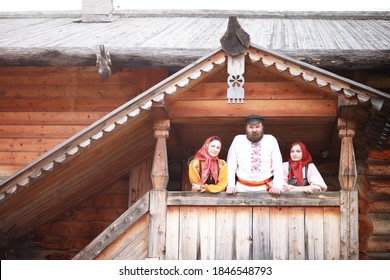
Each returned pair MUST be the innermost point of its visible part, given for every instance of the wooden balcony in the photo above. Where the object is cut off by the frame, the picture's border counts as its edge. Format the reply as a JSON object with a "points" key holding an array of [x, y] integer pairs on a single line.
{"points": [[226, 227]]}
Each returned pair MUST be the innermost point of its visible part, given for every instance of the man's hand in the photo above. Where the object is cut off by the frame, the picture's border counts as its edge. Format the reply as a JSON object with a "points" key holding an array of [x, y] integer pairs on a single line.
{"points": [[231, 190], [274, 191]]}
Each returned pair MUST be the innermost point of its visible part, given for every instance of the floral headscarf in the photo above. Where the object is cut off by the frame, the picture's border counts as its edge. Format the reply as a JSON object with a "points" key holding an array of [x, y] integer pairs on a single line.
{"points": [[210, 163], [296, 166]]}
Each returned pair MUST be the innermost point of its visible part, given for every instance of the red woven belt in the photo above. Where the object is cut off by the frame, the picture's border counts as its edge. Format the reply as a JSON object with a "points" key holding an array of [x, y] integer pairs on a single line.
{"points": [[256, 184]]}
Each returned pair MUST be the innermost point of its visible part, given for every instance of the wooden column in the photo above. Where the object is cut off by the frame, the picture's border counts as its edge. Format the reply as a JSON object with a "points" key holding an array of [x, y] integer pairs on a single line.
{"points": [[158, 195], [348, 194]]}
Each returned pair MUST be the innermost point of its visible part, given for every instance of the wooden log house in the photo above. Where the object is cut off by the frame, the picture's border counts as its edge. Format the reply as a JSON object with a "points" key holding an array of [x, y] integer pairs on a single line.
{"points": [[109, 181]]}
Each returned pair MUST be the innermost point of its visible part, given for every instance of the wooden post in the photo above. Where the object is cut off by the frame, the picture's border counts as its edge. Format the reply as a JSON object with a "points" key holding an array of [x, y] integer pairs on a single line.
{"points": [[348, 195], [158, 196]]}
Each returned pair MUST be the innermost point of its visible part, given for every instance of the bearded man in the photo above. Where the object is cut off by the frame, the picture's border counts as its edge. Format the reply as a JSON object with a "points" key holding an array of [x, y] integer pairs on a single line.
{"points": [[254, 160]]}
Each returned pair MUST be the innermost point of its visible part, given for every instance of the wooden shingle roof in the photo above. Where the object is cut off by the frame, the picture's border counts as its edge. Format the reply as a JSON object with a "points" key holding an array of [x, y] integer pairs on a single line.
{"points": [[177, 38]]}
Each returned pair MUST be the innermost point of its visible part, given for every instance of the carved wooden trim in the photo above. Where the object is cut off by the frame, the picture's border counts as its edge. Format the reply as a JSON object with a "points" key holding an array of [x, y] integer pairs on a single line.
{"points": [[347, 168], [160, 174]]}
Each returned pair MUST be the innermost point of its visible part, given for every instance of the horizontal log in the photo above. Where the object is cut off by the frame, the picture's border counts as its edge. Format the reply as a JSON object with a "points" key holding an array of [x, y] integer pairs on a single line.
{"points": [[50, 118], [261, 199], [379, 203], [39, 131], [380, 186], [379, 154], [7, 170], [179, 57], [62, 76], [18, 158], [28, 144], [60, 104], [379, 243], [126, 90], [256, 90], [378, 255], [271, 108], [381, 223], [378, 168]]}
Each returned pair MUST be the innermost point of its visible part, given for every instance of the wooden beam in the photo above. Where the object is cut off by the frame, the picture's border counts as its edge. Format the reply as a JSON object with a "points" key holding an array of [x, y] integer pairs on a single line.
{"points": [[347, 169], [223, 199], [160, 175], [269, 108]]}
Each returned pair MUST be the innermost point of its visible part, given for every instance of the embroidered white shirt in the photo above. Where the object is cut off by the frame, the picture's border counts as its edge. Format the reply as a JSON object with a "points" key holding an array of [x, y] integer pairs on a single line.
{"points": [[255, 162]]}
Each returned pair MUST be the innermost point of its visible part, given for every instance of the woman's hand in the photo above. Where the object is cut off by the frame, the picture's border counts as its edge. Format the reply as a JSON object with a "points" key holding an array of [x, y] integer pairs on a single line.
{"points": [[197, 187]]}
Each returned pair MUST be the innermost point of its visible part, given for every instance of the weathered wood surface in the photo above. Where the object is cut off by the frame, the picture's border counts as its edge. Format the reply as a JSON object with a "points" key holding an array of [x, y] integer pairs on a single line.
{"points": [[166, 44], [140, 181], [116, 229], [252, 232], [158, 223], [42, 107], [262, 199], [130, 245]]}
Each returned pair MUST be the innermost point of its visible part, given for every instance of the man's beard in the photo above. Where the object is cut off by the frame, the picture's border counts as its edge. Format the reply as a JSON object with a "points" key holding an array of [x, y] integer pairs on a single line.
{"points": [[254, 137]]}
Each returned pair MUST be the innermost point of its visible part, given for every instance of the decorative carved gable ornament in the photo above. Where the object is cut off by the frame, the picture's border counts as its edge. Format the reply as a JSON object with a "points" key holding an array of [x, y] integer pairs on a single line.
{"points": [[235, 80], [234, 42]]}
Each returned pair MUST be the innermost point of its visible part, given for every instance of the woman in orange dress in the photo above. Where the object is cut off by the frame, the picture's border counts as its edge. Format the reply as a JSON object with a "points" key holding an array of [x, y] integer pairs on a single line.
{"points": [[208, 173]]}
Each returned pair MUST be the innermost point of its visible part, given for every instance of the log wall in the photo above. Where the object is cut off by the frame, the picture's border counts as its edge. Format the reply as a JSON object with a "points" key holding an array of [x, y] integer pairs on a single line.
{"points": [[42, 106], [65, 236], [374, 206]]}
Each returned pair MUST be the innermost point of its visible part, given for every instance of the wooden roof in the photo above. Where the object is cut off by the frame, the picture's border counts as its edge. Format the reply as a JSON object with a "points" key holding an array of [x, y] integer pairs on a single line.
{"points": [[110, 147], [177, 38]]}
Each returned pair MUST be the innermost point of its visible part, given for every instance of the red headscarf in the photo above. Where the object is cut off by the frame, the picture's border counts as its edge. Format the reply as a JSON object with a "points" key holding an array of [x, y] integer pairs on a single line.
{"points": [[210, 163], [296, 166]]}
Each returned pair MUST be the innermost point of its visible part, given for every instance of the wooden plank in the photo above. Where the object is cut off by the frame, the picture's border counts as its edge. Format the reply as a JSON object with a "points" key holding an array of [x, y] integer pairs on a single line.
{"points": [[72, 90], [269, 108], [28, 144], [331, 233], [140, 181], [131, 244], [296, 233], [116, 229], [243, 233], [49, 118], [207, 234], [60, 104], [39, 131], [158, 223], [173, 232], [255, 90], [18, 159], [188, 244], [314, 233], [349, 230], [137, 246], [261, 231], [278, 231], [261, 199], [224, 233]]}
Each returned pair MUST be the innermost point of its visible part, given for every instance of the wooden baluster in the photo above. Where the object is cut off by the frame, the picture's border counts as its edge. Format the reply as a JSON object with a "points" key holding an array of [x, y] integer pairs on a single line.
{"points": [[158, 195], [348, 195]]}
